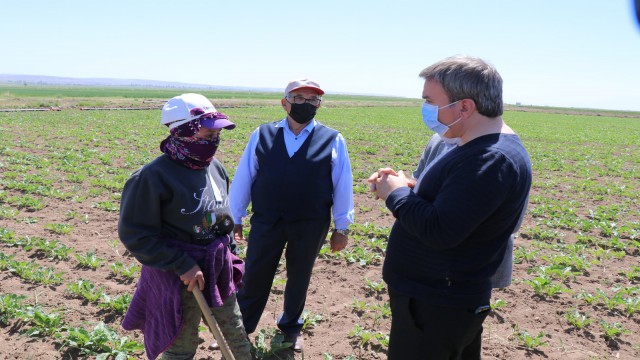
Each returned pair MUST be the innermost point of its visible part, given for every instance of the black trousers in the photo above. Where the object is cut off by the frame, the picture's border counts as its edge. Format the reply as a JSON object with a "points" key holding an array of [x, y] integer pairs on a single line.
{"points": [[423, 331], [266, 242]]}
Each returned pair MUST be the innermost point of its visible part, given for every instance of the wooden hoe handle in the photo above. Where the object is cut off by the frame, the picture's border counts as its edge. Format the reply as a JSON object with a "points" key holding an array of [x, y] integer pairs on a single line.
{"points": [[213, 324]]}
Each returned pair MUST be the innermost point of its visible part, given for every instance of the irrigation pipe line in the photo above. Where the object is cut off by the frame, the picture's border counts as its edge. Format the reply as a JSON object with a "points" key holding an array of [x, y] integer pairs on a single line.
{"points": [[213, 324]]}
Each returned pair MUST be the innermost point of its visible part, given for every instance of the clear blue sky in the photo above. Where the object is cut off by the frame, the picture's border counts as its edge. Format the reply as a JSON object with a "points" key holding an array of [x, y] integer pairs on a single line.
{"points": [[571, 53]]}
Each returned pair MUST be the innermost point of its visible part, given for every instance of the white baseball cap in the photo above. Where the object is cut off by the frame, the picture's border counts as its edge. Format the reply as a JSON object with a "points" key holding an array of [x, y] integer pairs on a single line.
{"points": [[187, 107]]}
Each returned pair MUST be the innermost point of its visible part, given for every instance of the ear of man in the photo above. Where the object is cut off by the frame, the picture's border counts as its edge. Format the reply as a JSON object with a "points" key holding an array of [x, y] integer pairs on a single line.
{"points": [[467, 107]]}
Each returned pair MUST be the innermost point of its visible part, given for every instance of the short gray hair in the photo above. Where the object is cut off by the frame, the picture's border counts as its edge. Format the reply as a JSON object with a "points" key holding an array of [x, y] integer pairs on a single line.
{"points": [[467, 77]]}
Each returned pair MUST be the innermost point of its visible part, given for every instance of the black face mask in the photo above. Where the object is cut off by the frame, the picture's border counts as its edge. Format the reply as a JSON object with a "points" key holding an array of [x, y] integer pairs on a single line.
{"points": [[302, 113]]}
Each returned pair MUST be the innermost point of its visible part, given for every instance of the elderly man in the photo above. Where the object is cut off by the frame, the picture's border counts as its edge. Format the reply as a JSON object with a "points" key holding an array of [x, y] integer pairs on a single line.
{"points": [[452, 229], [296, 173]]}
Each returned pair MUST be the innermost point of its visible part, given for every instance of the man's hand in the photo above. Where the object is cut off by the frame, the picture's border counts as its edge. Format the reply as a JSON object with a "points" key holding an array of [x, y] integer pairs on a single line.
{"points": [[237, 232], [385, 180], [338, 241], [193, 277]]}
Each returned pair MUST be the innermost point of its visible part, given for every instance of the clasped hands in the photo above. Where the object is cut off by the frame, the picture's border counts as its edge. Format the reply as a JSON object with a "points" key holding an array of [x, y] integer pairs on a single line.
{"points": [[385, 180]]}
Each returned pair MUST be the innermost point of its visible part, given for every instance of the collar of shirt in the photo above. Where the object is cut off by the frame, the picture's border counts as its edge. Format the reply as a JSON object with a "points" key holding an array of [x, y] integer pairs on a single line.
{"points": [[285, 124], [293, 141]]}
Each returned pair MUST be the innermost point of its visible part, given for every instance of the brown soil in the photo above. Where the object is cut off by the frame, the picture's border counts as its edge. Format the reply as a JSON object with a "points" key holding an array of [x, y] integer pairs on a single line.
{"points": [[334, 287]]}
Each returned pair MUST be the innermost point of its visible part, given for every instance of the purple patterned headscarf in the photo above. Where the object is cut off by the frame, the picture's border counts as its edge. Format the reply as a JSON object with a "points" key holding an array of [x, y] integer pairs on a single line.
{"points": [[183, 147]]}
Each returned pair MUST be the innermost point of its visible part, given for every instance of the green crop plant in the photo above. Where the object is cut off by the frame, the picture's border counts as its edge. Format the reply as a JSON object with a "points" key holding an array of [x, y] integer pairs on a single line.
{"points": [[530, 342], [106, 205], [46, 276], [128, 272], [384, 310], [326, 253], [540, 234], [380, 312], [86, 289], [577, 319], [612, 331], [51, 249], [118, 303], [375, 288], [383, 339], [615, 243], [76, 178], [71, 214], [522, 255], [604, 254], [60, 229], [544, 286], [8, 213], [10, 307], [631, 305], [575, 261], [7, 235], [560, 272], [267, 343], [588, 298], [26, 202], [43, 245], [26, 242], [35, 273], [108, 184], [360, 256], [42, 324], [89, 260], [362, 336], [102, 342], [632, 274], [61, 252], [5, 261], [497, 304], [310, 320], [613, 301], [359, 306], [365, 338]]}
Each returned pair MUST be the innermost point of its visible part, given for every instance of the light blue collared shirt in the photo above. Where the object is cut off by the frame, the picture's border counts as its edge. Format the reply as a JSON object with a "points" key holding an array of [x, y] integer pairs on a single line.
{"points": [[240, 194]]}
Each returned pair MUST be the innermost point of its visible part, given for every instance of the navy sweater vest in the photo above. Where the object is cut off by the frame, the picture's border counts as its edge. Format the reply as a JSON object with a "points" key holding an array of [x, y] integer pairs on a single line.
{"points": [[293, 188]]}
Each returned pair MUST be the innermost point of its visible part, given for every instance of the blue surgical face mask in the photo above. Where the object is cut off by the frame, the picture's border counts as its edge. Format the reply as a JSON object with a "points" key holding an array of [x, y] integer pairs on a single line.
{"points": [[430, 118]]}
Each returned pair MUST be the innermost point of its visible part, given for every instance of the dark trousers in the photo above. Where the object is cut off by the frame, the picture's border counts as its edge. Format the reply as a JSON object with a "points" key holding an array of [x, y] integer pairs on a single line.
{"points": [[423, 331], [266, 242]]}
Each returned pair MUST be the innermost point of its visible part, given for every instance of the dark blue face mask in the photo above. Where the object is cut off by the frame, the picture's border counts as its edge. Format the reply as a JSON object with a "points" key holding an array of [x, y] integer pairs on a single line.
{"points": [[303, 113]]}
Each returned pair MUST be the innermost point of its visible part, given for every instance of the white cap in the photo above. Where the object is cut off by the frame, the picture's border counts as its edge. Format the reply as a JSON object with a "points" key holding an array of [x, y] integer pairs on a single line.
{"points": [[186, 107], [303, 84]]}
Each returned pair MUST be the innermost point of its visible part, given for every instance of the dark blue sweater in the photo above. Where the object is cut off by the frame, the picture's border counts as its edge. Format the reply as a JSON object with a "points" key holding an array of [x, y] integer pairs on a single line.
{"points": [[449, 238]]}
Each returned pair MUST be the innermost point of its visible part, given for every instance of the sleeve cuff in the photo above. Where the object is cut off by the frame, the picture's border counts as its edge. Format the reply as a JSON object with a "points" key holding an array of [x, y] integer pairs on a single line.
{"points": [[396, 198]]}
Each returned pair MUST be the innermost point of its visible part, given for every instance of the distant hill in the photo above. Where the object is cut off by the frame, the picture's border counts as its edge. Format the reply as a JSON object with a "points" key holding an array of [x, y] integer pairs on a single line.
{"points": [[69, 81]]}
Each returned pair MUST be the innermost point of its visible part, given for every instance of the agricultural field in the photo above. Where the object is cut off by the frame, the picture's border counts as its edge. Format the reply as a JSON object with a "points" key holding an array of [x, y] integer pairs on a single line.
{"points": [[66, 281]]}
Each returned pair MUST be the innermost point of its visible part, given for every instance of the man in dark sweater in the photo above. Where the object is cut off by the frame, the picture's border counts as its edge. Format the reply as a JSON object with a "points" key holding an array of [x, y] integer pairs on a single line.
{"points": [[452, 229]]}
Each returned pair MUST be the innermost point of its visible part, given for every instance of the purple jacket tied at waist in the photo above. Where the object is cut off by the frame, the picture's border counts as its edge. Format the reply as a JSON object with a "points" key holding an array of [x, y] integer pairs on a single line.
{"points": [[156, 308]]}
